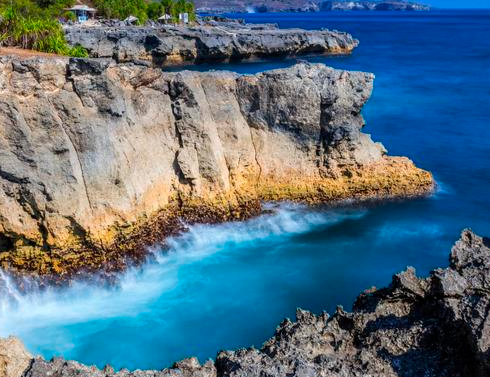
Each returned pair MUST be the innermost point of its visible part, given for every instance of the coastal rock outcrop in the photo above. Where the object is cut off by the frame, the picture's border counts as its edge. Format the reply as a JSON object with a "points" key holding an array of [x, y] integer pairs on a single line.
{"points": [[434, 326], [175, 45], [14, 359], [94, 154]]}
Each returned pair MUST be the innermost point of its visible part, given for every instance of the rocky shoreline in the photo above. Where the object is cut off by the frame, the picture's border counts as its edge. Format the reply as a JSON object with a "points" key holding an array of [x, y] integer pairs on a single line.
{"points": [[434, 326], [92, 171], [247, 6], [163, 46], [389, 5]]}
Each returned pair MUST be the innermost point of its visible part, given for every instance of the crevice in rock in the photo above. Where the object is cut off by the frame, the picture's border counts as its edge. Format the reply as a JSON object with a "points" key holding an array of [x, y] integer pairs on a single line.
{"points": [[77, 155], [13, 178], [6, 243], [255, 155]]}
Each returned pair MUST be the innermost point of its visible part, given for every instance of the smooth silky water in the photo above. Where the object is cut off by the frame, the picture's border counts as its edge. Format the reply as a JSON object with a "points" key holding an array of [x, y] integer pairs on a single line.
{"points": [[228, 286]]}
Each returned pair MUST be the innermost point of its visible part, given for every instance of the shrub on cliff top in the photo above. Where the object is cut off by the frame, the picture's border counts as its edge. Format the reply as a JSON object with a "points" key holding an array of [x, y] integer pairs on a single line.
{"points": [[145, 9], [37, 33], [121, 9], [36, 8]]}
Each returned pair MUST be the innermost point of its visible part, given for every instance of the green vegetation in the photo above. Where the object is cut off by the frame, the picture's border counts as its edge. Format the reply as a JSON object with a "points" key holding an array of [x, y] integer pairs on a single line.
{"points": [[78, 52], [36, 8], [144, 10], [121, 9], [33, 25]]}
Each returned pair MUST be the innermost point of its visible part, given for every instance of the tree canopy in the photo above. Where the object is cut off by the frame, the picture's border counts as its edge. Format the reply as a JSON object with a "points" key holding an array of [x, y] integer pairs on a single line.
{"points": [[33, 24], [144, 9]]}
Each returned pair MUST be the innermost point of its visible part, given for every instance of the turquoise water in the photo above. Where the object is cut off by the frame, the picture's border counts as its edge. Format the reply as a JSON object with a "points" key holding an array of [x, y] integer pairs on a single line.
{"points": [[228, 286]]}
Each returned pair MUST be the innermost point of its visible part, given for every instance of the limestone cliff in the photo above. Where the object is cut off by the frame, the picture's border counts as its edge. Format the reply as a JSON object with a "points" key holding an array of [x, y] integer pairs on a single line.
{"points": [[220, 42], [88, 147], [435, 326]]}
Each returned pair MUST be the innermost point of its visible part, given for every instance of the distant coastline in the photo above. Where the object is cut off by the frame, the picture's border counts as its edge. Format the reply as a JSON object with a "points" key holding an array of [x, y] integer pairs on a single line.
{"points": [[259, 6]]}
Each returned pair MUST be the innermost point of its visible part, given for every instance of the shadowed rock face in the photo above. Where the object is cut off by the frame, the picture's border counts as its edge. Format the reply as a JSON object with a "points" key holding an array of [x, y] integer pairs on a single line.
{"points": [[87, 147], [175, 45], [437, 326]]}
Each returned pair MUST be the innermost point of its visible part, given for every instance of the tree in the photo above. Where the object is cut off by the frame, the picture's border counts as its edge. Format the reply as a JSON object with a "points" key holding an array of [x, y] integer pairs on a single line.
{"points": [[122, 9], [167, 6], [191, 10], [154, 10], [174, 8]]}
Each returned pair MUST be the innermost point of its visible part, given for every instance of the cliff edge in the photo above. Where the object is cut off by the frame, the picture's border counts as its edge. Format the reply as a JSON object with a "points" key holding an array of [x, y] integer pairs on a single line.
{"points": [[221, 42], [97, 160]]}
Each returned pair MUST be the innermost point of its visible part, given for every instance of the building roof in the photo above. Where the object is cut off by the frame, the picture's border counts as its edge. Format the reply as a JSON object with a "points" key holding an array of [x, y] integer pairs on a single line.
{"points": [[165, 17], [131, 19], [86, 8]]}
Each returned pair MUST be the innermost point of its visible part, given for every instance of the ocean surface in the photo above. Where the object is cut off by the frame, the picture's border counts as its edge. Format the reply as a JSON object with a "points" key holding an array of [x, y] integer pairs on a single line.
{"points": [[228, 286]]}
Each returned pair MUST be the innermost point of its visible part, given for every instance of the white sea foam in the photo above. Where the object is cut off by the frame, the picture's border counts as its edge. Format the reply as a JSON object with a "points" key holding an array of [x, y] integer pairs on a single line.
{"points": [[441, 188], [25, 315]]}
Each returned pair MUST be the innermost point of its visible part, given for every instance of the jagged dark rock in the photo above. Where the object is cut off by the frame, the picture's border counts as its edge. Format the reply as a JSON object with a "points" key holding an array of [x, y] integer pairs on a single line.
{"points": [[221, 42], [434, 326]]}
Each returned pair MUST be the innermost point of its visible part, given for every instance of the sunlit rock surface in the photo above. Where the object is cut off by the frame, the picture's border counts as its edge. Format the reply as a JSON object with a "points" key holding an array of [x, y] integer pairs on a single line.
{"points": [[14, 359], [89, 147]]}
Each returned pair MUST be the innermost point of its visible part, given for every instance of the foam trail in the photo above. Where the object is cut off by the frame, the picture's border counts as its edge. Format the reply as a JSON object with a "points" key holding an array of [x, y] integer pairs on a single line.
{"points": [[58, 309]]}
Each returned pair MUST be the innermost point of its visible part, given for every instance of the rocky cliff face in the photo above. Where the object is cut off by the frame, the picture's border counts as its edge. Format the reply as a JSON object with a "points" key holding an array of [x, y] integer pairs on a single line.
{"points": [[437, 326], [88, 147], [173, 45]]}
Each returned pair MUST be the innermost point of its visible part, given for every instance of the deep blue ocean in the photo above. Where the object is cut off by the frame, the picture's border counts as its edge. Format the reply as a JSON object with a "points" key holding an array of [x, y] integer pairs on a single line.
{"points": [[228, 286]]}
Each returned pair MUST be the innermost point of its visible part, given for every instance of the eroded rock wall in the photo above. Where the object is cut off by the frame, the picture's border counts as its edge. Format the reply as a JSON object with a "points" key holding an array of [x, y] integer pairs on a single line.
{"points": [[174, 45], [87, 144]]}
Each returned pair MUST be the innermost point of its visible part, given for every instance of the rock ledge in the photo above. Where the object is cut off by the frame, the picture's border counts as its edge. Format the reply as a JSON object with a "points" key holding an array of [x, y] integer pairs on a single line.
{"points": [[223, 42]]}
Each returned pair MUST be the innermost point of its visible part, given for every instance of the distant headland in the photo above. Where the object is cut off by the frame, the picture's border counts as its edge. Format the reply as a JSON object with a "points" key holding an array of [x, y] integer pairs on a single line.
{"points": [[260, 6]]}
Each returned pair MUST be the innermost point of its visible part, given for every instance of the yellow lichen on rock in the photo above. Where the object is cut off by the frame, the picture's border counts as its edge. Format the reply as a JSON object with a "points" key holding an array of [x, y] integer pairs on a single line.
{"points": [[392, 177]]}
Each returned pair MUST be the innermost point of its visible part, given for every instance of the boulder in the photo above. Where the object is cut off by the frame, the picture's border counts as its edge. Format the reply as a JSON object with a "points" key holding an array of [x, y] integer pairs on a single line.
{"points": [[14, 359]]}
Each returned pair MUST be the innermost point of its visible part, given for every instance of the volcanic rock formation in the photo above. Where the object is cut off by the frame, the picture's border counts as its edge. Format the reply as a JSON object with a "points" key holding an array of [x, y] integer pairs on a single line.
{"points": [[435, 326]]}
